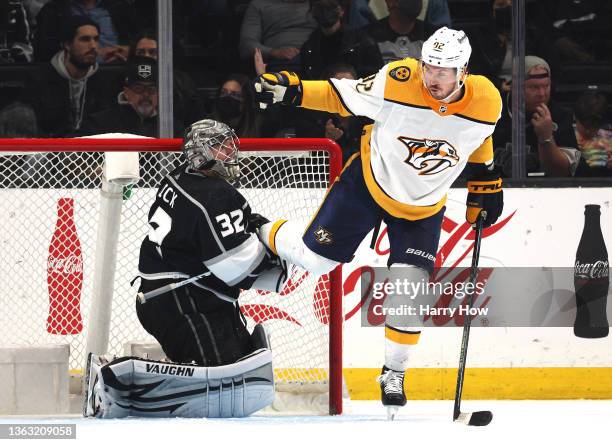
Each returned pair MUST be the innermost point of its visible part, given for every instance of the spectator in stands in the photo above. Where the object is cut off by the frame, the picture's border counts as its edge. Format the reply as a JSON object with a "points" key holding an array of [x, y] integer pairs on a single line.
{"points": [[492, 46], [492, 42], [70, 88], [33, 7], [187, 106], [233, 107], [357, 13], [15, 45], [278, 28], [332, 42], [395, 37], [551, 143], [136, 109], [581, 29], [18, 120], [345, 131], [116, 20], [434, 13], [594, 135]]}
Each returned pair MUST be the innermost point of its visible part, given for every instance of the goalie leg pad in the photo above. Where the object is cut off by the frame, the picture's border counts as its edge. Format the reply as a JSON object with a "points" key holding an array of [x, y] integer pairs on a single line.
{"points": [[131, 386]]}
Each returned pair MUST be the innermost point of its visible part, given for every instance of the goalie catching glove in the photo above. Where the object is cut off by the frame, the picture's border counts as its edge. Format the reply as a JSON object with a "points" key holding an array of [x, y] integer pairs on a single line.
{"points": [[272, 88], [485, 195]]}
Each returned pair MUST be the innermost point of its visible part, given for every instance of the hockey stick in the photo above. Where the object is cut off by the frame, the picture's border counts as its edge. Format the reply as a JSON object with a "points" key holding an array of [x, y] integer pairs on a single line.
{"points": [[477, 418]]}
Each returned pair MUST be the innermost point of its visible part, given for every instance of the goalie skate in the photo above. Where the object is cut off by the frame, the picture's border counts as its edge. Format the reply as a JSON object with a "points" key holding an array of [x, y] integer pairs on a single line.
{"points": [[392, 391], [92, 401]]}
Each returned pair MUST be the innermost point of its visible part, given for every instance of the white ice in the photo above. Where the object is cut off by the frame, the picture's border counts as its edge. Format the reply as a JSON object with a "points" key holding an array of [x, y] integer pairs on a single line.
{"points": [[419, 423]]}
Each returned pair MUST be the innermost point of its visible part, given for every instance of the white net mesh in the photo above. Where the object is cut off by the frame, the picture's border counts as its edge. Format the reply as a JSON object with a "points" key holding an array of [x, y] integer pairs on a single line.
{"points": [[49, 205]]}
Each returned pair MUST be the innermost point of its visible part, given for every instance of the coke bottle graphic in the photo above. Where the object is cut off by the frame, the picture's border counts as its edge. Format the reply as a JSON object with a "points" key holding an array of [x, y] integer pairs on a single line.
{"points": [[591, 278], [65, 273]]}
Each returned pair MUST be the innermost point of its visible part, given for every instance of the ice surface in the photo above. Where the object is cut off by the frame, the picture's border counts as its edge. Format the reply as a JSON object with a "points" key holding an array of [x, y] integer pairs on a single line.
{"points": [[419, 423]]}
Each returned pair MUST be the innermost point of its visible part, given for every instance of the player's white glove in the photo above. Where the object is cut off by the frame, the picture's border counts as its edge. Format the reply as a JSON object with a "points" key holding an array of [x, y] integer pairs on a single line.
{"points": [[284, 87]]}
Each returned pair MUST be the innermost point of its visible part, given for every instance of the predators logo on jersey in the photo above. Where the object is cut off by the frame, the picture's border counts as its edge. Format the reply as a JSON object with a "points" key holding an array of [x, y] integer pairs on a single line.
{"points": [[429, 156], [400, 73], [323, 236]]}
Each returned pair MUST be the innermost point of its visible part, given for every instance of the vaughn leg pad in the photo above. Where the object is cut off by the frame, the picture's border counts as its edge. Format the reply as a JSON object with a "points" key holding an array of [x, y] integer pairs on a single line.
{"points": [[130, 386]]}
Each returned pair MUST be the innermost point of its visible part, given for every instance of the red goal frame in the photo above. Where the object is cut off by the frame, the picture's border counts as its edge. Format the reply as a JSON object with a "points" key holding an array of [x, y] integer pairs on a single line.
{"points": [[26, 145]]}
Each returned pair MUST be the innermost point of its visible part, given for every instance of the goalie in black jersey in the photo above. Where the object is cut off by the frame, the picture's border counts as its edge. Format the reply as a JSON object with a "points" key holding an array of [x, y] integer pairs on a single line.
{"points": [[201, 250]]}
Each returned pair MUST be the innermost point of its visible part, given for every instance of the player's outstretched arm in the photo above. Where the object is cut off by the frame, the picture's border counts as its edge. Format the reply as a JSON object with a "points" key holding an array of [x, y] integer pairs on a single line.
{"points": [[332, 96], [273, 88]]}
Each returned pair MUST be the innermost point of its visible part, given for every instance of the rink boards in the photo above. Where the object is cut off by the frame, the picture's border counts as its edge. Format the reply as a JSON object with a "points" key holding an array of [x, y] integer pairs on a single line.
{"points": [[539, 227]]}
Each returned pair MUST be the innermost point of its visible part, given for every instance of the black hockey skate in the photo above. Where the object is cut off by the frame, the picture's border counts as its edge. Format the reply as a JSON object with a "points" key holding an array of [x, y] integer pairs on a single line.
{"points": [[392, 390]]}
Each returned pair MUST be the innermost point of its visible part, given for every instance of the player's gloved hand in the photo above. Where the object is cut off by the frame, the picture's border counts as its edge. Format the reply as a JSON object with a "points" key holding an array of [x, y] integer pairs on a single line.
{"points": [[271, 88], [485, 195], [255, 221]]}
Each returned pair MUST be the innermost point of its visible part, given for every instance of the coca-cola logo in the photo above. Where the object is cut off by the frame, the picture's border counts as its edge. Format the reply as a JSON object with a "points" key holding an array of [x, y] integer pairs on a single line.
{"points": [[68, 265], [598, 269]]}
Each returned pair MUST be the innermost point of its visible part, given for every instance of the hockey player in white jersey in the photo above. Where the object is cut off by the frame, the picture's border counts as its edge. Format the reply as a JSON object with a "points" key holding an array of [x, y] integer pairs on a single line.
{"points": [[431, 120], [199, 226]]}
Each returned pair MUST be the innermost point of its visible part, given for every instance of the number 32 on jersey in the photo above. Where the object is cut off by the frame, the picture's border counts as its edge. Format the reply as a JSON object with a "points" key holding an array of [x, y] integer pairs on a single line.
{"points": [[160, 224]]}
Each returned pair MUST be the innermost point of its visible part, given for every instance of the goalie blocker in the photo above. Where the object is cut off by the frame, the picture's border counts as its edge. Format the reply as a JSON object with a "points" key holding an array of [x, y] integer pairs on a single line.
{"points": [[131, 386]]}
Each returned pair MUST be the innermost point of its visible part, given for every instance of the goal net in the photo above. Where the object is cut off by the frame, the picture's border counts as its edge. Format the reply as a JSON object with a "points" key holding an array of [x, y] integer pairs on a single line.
{"points": [[70, 243]]}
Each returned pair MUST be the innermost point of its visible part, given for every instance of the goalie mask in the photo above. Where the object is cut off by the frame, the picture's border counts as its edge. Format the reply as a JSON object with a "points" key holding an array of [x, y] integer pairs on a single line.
{"points": [[212, 145], [447, 48]]}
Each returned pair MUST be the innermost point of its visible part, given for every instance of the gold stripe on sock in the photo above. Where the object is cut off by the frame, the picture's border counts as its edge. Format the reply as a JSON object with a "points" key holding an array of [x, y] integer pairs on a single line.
{"points": [[272, 237], [401, 337]]}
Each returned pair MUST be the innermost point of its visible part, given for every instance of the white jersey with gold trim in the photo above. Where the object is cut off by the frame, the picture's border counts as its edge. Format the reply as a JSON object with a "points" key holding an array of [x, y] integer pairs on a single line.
{"points": [[417, 146]]}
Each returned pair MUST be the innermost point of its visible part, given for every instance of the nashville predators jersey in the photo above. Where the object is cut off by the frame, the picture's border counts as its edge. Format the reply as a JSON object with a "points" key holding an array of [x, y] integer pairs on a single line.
{"points": [[417, 146]]}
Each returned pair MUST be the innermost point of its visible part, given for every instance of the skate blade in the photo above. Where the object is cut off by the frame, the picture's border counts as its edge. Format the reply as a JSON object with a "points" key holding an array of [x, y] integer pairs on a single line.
{"points": [[392, 412], [87, 412]]}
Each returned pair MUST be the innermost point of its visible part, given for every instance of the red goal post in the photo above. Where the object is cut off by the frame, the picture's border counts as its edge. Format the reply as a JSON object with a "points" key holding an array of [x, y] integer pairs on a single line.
{"points": [[43, 179]]}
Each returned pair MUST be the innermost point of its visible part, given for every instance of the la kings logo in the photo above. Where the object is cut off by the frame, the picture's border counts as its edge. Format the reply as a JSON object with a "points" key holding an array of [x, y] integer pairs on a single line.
{"points": [[323, 236], [429, 156], [598, 269]]}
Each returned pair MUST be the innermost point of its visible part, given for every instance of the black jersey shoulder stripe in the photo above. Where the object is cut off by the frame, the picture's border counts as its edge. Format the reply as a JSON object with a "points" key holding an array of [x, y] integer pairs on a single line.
{"points": [[204, 211], [408, 104], [340, 98], [478, 121]]}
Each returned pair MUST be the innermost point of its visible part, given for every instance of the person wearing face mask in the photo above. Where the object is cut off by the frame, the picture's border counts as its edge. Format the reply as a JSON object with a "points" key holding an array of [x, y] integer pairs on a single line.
{"points": [[136, 111], [332, 42], [398, 36], [232, 107]]}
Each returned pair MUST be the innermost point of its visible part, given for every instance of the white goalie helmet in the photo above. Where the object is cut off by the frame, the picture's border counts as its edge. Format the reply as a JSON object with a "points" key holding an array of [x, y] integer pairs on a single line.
{"points": [[448, 48], [212, 145]]}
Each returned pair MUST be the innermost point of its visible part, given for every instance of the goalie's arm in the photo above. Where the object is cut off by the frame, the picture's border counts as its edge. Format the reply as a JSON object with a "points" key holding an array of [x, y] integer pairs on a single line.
{"points": [[233, 254]]}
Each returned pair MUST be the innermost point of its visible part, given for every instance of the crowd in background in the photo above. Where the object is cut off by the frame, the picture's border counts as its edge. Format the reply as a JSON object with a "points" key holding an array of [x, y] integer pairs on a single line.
{"points": [[81, 67]]}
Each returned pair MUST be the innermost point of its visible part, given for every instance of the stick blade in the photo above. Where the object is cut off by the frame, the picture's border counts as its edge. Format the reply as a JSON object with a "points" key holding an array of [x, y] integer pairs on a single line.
{"points": [[477, 418]]}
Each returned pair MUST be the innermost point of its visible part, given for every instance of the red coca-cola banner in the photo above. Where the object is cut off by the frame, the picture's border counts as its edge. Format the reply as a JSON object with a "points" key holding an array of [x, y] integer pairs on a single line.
{"points": [[65, 273]]}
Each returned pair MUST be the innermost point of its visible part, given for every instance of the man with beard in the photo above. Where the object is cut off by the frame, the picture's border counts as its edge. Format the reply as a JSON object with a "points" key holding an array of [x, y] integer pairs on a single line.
{"points": [[70, 88], [136, 109]]}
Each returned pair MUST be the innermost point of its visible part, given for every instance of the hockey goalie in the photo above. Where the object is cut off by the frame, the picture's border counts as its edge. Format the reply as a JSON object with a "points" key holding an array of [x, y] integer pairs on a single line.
{"points": [[201, 250]]}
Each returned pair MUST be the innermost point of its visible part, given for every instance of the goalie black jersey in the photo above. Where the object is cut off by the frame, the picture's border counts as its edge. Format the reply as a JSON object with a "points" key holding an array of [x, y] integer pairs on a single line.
{"points": [[197, 224]]}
